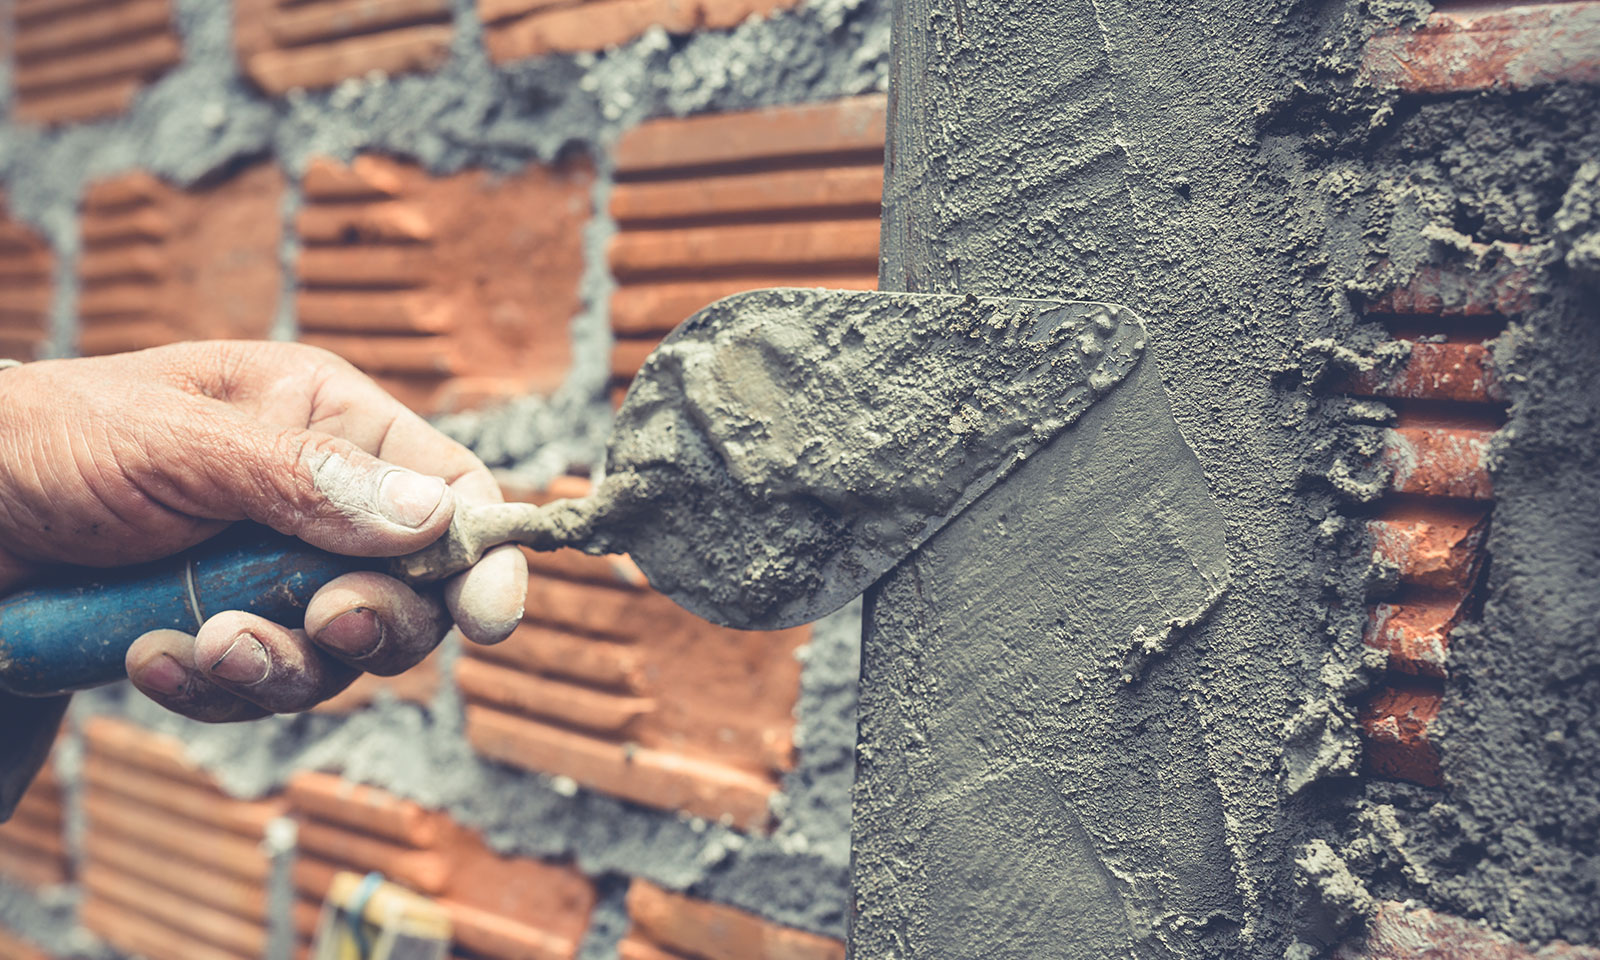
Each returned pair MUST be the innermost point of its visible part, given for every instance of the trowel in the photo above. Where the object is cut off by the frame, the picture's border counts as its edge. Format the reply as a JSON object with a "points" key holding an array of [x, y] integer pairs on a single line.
{"points": [[780, 451]]}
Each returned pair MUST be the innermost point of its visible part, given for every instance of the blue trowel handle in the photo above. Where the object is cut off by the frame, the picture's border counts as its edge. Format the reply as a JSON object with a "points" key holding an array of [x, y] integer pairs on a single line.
{"points": [[73, 630]]}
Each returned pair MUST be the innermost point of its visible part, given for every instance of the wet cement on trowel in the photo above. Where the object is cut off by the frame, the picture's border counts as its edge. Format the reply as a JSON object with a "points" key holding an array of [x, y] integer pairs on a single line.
{"points": [[782, 449], [1223, 169]]}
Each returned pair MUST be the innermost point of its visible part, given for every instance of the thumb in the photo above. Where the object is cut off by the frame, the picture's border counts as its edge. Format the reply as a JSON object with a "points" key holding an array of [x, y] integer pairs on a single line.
{"points": [[326, 491]]}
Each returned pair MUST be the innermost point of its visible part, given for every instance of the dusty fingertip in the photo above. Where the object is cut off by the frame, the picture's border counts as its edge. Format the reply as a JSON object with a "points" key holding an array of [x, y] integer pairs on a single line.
{"points": [[487, 601]]}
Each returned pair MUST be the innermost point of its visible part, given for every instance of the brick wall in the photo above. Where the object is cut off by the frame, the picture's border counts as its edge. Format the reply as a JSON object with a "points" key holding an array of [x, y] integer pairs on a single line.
{"points": [[77, 61], [33, 843], [27, 285]]}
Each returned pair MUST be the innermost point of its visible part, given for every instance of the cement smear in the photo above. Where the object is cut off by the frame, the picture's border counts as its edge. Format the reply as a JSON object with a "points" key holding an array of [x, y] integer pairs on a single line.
{"points": [[1222, 169]]}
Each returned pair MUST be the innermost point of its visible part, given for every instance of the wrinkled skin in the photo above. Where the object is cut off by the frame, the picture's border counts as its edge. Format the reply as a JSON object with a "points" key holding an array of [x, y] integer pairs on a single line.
{"points": [[130, 458]]}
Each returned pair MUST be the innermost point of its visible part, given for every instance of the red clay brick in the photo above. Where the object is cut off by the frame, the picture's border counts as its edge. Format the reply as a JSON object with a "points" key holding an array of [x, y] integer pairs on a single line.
{"points": [[444, 288], [170, 862], [76, 63], [1493, 282], [1490, 47], [1439, 461], [1409, 932], [674, 925], [1439, 371], [529, 28], [569, 705], [1432, 545], [16, 948], [33, 842], [1399, 745], [27, 288], [1415, 634], [596, 663], [502, 908], [717, 204], [161, 264], [285, 44]]}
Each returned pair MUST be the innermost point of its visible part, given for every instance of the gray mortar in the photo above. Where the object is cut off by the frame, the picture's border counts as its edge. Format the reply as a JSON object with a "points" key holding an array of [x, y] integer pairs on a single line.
{"points": [[1220, 168]]}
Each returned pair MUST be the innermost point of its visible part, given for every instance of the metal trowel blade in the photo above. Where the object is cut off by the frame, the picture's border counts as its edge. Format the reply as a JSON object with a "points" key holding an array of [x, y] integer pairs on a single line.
{"points": [[782, 449]]}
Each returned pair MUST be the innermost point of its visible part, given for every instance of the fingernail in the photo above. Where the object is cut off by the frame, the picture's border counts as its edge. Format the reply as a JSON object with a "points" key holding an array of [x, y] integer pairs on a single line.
{"points": [[408, 498], [165, 675], [244, 662], [354, 634]]}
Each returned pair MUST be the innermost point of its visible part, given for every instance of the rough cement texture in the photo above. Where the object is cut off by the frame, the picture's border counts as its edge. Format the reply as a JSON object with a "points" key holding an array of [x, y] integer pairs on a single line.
{"points": [[199, 122], [1222, 169]]}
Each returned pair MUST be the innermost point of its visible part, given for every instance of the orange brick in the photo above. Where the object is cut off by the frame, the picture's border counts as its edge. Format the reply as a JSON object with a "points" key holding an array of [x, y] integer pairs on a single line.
{"points": [[33, 842], [528, 28], [161, 264], [1490, 47], [713, 205], [1399, 745], [1415, 634], [445, 288], [79, 62], [1439, 461], [502, 908], [1432, 545], [1438, 371], [283, 46], [17, 948], [1411, 932], [1494, 282], [672, 924], [170, 862], [27, 287]]}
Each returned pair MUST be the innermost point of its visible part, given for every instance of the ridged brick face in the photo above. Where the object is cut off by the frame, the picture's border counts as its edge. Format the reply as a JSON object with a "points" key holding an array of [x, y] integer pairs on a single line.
{"points": [[172, 866], [713, 205], [609, 683], [530, 28], [501, 908], [1468, 46], [160, 264], [82, 59], [289, 44], [27, 287], [33, 842], [671, 926], [451, 291]]}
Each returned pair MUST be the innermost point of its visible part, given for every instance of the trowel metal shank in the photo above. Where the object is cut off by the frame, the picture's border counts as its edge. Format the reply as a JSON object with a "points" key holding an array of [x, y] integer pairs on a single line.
{"points": [[784, 448]]}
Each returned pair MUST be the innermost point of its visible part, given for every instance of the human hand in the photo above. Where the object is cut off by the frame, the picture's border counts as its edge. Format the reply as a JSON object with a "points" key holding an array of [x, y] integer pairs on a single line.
{"points": [[118, 460]]}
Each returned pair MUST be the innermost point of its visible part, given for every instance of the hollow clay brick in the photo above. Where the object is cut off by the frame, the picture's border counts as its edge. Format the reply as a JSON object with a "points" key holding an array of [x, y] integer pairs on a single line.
{"points": [[81, 61], [452, 291], [16, 948], [713, 205], [1411, 932], [501, 908], [286, 44], [161, 264], [529, 28], [1430, 545], [27, 288], [1399, 744], [1487, 281], [33, 842], [1415, 634], [1438, 371], [673, 925], [1490, 47], [1439, 461], [171, 865]]}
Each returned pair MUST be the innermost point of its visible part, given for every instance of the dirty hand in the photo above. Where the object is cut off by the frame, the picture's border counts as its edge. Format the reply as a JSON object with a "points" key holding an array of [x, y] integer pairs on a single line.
{"points": [[125, 459]]}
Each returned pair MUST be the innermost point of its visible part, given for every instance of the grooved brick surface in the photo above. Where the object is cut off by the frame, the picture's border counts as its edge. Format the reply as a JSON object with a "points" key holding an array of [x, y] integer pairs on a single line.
{"points": [[614, 686], [502, 908], [528, 28], [671, 926], [713, 205], [173, 867], [449, 290], [33, 842], [1405, 932], [77, 60], [27, 280], [1490, 46], [289, 44], [160, 264]]}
